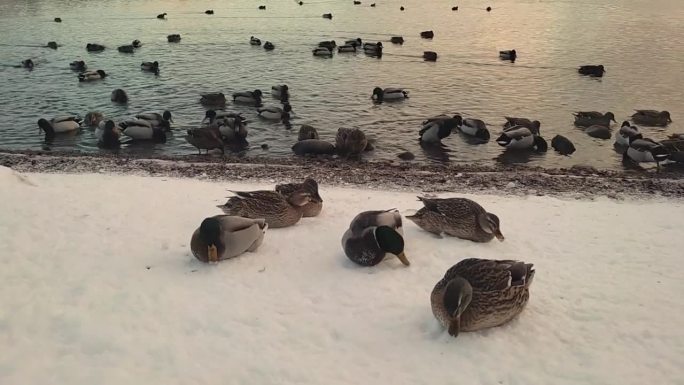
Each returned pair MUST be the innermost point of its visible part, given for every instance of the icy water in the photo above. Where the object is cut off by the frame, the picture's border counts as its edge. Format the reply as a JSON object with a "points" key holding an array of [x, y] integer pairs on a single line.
{"points": [[639, 42]]}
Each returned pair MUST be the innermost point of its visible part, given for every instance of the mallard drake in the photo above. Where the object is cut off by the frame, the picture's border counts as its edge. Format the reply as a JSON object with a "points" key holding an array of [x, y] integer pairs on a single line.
{"points": [[652, 118], [149, 66], [355, 42], [592, 70], [278, 210], [373, 235], [275, 113], [645, 150], [389, 94], [473, 127], [280, 90], [136, 43], [107, 135], [78, 65], [598, 131], [590, 118], [231, 126], [92, 119], [533, 125], [254, 41], [126, 48], [209, 12], [373, 49], [457, 217], [91, 76], [205, 139], [213, 99], [625, 132], [346, 48], [248, 97], [59, 125], [119, 96], [232, 118], [521, 138], [311, 209], [307, 132], [139, 129], [479, 293], [508, 55], [322, 51], [93, 47], [28, 64], [397, 40], [162, 15], [157, 120], [350, 141], [562, 145], [223, 237], [327, 16], [173, 38], [436, 129]]}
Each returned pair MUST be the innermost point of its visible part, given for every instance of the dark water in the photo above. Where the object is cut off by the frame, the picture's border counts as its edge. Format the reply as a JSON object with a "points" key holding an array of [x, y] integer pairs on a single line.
{"points": [[637, 40]]}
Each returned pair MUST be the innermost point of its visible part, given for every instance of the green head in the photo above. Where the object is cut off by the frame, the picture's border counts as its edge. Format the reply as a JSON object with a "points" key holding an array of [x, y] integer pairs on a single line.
{"points": [[210, 234], [390, 241]]}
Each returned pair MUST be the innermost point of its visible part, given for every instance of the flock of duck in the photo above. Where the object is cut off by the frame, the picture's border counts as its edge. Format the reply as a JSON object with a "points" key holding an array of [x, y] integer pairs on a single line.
{"points": [[473, 294]]}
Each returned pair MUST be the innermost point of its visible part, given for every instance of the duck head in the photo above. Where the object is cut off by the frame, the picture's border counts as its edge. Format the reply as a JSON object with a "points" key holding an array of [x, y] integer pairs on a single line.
{"points": [[166, 116], [377, 94], [390, 241], [536, 126], [457, 296], [489, 223], [101, 73], [210, 115], [625, 124], [300, 198], [666, 115], [311, 186], [210, 234], [610, 116], [47, 127]]}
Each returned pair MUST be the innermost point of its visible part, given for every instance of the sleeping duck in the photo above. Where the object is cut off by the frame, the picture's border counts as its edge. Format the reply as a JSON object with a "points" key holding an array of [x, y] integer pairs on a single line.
{"points": [[474, 127], [652, 118], [150, 67], [388, 94], [59, 125], [275, 113], [139, 129], [91, 76], [280, 91], [223, 237], [322, 51], [78, 65], [156, 120], [374, 235], [645, 150], [254, 41], [521, 138], [437, 128], [248, 97]]}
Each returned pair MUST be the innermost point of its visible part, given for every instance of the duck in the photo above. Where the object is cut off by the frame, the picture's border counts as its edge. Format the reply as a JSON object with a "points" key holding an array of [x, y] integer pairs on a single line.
{"points": [[533, 125], [91, 76], [150, 67], [307, 132], [278, 211], [222, 237], [157, 120], [373, 49], [280, 90], [457, 217], [590, 118], [380, 95], [427, 34], [433, 131], [596, 71], [93, 119], [139, 129], [92, 47], [355, 42], [356, 2], [59, 125], [652, 118], [429, 56], [346, 48], [173, 38], [107, 135], [248, 97], [231, 126], [275, 113], [397, 40], [213, 99], [231, 118], [315, 206], [350, 142], [562, 145], [477, 294], [268, 46], [78, 65], [473, 127], [136, 43], [322, 51], [521, 138], [645, 150], [313, 147], [162, 15], [52, 44], [508, 55], [119, 96], [209, 12], [205, 138], [254, 41], [329, 44], [58, 19], [126, 48], [262, 7], [598, 131], [327, 16], [28, 64], [374, 235]]}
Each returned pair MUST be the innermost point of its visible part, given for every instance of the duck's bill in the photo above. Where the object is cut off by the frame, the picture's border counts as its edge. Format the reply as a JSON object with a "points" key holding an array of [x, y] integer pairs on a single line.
{"points": [[499, 236], [403, 259], [455, 326], [212, 254]]}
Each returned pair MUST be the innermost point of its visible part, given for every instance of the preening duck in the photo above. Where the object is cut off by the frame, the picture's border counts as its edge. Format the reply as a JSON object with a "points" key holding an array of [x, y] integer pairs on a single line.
{"points": [[107, 135], [474, 127], [275, 113], [388, 94], [254, 41], [275, 208], [59, 125], [645, 150], [521, 138], [139, 129], [157, 120], [223, 237], [374, 235]]}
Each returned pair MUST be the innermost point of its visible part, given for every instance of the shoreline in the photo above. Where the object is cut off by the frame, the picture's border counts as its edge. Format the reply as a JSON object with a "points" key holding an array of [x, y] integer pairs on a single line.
{"points": [[578, 181]]}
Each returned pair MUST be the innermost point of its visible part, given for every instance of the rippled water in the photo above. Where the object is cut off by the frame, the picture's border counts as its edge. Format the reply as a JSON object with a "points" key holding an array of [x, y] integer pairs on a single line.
{"points": [[637, 40]]}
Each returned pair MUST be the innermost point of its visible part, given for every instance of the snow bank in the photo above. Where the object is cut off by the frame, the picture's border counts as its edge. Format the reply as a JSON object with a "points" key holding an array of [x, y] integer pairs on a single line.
{"points": [[99, 287]]}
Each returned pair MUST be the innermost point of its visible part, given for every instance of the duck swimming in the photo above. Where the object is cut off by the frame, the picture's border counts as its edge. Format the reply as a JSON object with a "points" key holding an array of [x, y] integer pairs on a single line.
{"points": [[213, 99], [139, 129], [350, 142], [248, 97], [645, 150], [596, 71], [119, 96], [322, 51], [268, 46], [157, 120], [173, 38], [78, 65], [478, 294], [590, 118], [91, 47], [107, 135], [150, 67], [254, 41], [275, 113], [93, 119], [223, 237], [280, 91], [91, 76], [533, 125], [278, 210], [652, 118], [388, 94], [373, 49], [374, 235], [521, 138], [59, 125], [28, 64], [508, 55]]}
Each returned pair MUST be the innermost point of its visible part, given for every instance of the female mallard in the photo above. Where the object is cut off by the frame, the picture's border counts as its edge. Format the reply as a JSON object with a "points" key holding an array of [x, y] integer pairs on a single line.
{"points": [[521, 138], [248, 97], [307, 132], [309, 185], [223, 237], [533, 125], [150, 66], [91, 76], [645, 150], [276, 209], [356, 42], [457, 217], [107, 135], [626, 132], [322, 51], [275, 113], [479, 293], [78, 65], [205, 139], [590, 118], [59, 125], [372, 235], [213, 99], [346, 48], [652, 118], [380, 95], [350, 141], [138, 129], [157, 120], [92, 119]]}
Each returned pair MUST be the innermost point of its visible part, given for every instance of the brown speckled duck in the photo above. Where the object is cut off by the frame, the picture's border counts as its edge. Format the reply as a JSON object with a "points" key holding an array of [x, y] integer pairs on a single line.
{"points": [[275, 208], [309, 185]]}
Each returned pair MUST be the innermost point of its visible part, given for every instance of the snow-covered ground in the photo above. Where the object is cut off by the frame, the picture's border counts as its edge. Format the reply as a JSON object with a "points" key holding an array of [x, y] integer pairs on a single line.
{"points": [[99, 287]]}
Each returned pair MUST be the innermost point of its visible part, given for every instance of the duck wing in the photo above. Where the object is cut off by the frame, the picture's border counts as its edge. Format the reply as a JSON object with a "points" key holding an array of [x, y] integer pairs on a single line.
{"points": [[452, 207], [492, 275]]}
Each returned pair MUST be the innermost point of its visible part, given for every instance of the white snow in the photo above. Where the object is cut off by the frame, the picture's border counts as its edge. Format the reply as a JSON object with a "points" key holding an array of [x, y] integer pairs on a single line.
{"points": [[78, 304]]}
